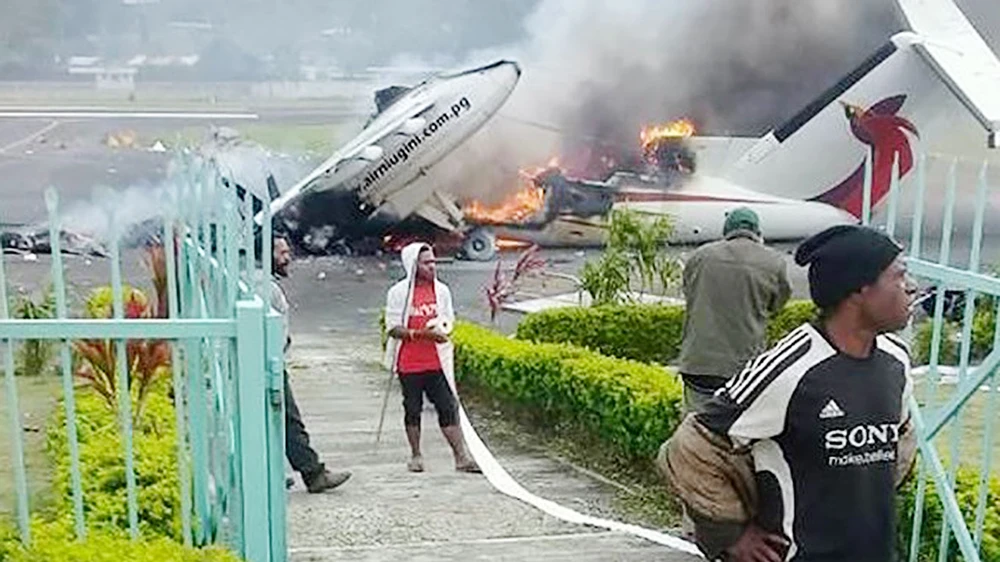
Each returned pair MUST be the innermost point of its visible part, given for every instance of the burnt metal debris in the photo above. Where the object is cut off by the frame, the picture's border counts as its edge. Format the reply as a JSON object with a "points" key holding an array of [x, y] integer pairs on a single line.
{"points": [[35, 239]]}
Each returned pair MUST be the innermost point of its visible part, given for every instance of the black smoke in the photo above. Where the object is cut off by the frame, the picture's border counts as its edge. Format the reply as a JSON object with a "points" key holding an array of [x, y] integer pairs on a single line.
{"points": [[596, 72]]}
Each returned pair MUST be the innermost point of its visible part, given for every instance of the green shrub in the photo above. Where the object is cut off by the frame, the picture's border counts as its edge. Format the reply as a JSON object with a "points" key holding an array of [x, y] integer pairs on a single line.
{"points": [[647, 333], [795, 314], [923, 335], [967, 494], [631, 406], [636, 250], [650, 333], [36, 357], [980, 345], [56, 542], [102, 460], [102, 465]]}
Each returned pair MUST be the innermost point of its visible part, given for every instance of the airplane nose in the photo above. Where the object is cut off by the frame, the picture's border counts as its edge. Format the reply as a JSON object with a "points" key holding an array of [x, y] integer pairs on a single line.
{"points": [[503, 68]]}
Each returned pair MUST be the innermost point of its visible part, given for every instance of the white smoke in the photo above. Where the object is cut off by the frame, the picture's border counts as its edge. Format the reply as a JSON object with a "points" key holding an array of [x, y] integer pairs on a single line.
{"points": [[143, 206]]}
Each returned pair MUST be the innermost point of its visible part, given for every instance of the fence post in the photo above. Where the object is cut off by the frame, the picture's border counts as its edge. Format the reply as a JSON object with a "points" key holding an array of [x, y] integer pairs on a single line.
{"points": [[276, 435], [66, 360], [16, 431], [252, 394]]}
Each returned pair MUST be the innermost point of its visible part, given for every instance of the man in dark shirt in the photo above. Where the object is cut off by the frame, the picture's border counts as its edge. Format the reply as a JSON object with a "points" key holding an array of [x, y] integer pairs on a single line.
{"points": [[821, 413], [731, 288]]}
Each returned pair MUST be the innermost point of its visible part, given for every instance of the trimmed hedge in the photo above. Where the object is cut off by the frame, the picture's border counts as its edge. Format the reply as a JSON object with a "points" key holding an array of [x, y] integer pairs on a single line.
{"points": [[980, 346], [650, 333], [102, 460], [632, 406], [647, 333], [104, 492], [55, 542], [795, 314]]}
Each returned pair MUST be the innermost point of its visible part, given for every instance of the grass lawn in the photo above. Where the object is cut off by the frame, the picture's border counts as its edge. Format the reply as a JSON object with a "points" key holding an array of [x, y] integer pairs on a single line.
{"points": [[974, 418], [37, 396], [194, 98], [315, 139]]}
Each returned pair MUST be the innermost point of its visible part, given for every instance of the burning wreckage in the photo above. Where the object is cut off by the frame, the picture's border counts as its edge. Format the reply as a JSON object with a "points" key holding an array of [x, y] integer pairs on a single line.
{"points": [[801, 177], [567, 205], [334, 222], [377, 192]]}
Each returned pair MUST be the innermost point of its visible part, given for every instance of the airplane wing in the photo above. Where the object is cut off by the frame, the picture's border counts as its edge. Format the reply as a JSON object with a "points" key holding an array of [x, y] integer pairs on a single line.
{"points": [[355, 156], [960, 56], [441, 211]]}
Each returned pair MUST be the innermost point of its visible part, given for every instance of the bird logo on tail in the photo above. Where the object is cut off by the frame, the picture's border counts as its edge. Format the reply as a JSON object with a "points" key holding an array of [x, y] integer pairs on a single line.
{"points": [[880, 128]]}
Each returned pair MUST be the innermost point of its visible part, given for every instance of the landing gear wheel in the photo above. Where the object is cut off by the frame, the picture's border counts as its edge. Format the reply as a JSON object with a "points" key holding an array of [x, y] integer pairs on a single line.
{"points": [[480, 245]]}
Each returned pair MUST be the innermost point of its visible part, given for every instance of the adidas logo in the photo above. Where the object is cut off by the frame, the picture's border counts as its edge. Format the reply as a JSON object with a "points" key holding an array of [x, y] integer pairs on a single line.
{"points": [[831, 410]]}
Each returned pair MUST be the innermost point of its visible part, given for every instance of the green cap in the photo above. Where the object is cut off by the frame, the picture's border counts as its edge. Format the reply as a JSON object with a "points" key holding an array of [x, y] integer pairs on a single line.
{"points": [[741, 218]]}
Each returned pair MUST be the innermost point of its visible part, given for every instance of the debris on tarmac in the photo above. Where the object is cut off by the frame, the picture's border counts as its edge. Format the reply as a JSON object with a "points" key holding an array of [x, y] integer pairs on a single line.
{"points": [[33, 240]]}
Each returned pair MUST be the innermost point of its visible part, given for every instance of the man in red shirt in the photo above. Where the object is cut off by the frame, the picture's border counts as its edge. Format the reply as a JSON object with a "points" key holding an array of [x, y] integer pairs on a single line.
{"points": [[418, 316]]}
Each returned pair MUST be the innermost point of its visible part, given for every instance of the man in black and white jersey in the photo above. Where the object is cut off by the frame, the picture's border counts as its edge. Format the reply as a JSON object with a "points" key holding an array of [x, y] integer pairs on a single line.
{"points": [[822, 412]]}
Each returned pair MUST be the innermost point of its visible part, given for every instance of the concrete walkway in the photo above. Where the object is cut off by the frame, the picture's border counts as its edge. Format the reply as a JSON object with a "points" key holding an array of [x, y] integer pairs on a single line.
{"points": [[387, 513]]}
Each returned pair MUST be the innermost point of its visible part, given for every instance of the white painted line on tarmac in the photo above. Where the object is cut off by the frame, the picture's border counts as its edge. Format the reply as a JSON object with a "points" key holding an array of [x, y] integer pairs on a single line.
{"points": [[125, 115], [116, 109], [30, 137]]}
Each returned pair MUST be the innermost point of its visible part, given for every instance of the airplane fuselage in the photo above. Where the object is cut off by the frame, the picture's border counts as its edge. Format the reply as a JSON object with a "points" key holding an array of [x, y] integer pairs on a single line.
{"points": [[697, 210]]}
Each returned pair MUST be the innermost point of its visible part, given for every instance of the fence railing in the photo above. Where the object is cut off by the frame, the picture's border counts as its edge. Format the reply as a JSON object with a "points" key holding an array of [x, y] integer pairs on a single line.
{"points": [[955, 343], [225, 366]]}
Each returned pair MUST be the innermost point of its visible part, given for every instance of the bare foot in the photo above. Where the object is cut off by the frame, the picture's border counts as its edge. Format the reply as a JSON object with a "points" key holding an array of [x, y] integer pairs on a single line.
{"points": [[468, 465], [416, 464]]}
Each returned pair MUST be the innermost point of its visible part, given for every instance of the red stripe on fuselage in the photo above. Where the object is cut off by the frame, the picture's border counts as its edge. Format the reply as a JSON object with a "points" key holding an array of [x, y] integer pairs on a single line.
{"points": [[664, 196]]}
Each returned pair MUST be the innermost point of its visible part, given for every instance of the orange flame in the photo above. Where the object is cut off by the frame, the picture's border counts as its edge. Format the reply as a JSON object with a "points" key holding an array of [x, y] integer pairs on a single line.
{"points": [[680, 129], [510, 244], [516, 209]]}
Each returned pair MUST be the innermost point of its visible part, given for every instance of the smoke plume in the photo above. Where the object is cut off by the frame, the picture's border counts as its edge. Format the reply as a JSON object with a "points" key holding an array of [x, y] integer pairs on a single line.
{"points": [[139, 209], [595, 72]]}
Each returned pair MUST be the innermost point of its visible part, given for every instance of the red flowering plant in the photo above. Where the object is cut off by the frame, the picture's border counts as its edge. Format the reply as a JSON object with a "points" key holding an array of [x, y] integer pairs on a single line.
{"points": [[502, 287], [148, 360]]}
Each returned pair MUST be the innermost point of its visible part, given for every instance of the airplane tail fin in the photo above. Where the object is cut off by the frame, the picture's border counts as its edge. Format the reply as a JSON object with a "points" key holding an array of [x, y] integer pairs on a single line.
{"points": [[895, 100]]}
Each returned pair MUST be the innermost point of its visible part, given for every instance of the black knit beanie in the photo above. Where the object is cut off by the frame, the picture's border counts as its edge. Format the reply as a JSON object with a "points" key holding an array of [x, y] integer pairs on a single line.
{"points": [[843, 259]]}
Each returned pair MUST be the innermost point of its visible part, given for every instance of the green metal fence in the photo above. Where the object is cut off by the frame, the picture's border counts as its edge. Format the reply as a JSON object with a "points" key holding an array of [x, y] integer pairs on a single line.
{"points": [[226, 363], [955, 403]]}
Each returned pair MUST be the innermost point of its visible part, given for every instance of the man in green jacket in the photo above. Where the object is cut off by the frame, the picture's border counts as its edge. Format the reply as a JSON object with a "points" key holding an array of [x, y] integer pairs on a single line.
{"points": [[731, 288]]}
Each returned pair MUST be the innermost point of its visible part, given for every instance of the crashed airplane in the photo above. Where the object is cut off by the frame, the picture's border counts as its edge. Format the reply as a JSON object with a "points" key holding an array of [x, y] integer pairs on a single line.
{"points": [[934, 84], [384, 177]]}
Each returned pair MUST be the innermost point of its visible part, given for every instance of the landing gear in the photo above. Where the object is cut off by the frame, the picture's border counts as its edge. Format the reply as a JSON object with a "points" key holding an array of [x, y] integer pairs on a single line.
{"points": [[480, 245]]}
